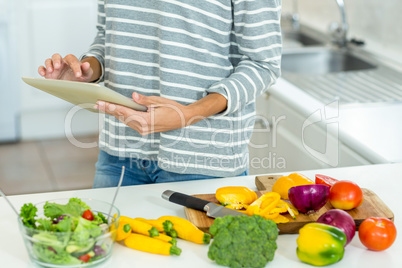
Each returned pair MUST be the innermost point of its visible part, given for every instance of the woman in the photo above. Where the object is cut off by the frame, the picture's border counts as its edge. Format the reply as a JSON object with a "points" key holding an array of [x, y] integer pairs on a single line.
{"points": [[197, 65]]}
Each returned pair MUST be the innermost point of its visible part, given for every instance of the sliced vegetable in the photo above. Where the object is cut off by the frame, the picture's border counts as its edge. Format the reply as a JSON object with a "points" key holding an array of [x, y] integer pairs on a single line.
{"points": [[320, 244], [309, 198], [283, 184], [341, 219], [88, 215], [85, 257], [377, 233], [345, 195], [264, 206], [187, 230], [235, 197], [151, 245], [326, 180]]}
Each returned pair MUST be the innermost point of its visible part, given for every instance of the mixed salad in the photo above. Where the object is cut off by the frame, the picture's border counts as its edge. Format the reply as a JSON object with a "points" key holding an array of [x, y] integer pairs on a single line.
{"points": [[68, 234]]}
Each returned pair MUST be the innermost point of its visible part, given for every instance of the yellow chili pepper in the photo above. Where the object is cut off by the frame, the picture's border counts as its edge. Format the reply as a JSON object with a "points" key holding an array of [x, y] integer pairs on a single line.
{"points": [[151, 245], [187, 230], [123, 231], [158, 224], [283, 184], [235, 197]]}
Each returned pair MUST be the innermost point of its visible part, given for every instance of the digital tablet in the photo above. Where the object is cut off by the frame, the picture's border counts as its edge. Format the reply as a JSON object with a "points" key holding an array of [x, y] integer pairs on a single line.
{"points": [[82, 94]]}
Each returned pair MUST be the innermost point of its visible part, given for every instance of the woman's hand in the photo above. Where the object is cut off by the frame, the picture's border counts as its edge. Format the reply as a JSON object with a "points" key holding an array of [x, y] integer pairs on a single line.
{"points": [[163, 114], [69, 68]]}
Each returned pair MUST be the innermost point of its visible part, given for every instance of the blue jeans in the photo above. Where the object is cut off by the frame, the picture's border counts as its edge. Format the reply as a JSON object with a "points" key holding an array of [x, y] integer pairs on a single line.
{"points": [[137, 171]]}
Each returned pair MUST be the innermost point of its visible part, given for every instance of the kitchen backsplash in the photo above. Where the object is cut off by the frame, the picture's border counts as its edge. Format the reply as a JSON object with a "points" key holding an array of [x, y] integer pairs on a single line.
{"points": [[378, 23]]}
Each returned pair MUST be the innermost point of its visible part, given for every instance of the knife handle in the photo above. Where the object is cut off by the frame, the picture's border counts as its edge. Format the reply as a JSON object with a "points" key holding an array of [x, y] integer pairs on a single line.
{"points": [[185, 200]]}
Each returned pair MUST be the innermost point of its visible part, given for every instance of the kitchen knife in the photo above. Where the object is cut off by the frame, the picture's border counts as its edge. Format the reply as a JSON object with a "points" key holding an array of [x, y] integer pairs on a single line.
{"points": [[213, 210]]}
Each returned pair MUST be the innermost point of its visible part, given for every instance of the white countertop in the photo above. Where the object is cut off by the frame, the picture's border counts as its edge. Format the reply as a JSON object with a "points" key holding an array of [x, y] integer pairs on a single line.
{"points": [[373, 130], [145, 201]]}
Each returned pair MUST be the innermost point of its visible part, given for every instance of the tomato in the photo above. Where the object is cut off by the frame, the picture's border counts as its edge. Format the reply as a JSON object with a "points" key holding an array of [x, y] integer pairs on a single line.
{"points": [[84, 258], [88, 215], [326, 180], [345, 195], [377, 233]]}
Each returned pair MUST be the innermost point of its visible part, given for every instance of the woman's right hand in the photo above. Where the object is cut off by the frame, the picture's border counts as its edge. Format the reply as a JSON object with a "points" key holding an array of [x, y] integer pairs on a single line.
{"points": [[67, 68]]}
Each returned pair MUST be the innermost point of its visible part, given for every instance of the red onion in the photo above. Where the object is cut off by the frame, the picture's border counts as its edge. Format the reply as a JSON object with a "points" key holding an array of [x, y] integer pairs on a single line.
{"points": [[309, 198], [98, 250], [341, 219]]}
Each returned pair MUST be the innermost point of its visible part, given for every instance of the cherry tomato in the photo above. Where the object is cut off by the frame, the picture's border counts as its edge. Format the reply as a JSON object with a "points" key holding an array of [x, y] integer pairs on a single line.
{"points": [[377, 233], [84, 258], [88, 215], [326, 180], [345, 195]]}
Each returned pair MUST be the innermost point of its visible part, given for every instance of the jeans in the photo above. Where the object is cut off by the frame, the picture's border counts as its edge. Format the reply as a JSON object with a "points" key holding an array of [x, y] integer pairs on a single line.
{"points": [[137, 171]]}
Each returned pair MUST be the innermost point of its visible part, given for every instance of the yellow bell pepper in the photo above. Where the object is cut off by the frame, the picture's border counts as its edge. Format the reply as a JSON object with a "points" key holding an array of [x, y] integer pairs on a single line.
{"points": [[264, 205], [283, 184], [320, 244], [235, 197]]}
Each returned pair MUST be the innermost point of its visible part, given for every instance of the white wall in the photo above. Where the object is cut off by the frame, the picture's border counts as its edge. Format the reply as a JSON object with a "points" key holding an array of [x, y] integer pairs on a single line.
{"points": [[378, 23], [46, 27]]}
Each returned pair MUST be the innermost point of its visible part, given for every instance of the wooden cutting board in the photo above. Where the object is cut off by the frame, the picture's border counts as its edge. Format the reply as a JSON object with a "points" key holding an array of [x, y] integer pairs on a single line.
{"points": [[372, 206]]}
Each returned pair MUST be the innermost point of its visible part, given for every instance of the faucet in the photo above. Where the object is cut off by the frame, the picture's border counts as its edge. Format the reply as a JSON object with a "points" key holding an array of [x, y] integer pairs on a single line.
{"points": [[295, 17], [340, 32]]}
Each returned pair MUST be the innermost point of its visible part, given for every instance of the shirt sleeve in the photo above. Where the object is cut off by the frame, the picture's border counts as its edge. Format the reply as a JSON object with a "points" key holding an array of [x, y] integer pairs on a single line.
{"points": [[257, 36], [97, 48]]}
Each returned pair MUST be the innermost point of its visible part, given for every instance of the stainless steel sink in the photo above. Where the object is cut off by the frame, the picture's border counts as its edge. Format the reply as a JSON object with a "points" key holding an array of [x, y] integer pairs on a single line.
{"points": [[322, 61], [300, 39]]}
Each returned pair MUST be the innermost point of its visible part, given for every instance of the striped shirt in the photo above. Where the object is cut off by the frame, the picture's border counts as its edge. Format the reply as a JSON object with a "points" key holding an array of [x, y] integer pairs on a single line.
{"points": [[182, 50]]}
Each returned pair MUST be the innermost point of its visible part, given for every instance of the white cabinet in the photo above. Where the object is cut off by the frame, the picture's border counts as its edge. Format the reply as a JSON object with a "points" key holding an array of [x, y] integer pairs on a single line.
{"points": [[285, 140], [9, 95], [46, 27]]}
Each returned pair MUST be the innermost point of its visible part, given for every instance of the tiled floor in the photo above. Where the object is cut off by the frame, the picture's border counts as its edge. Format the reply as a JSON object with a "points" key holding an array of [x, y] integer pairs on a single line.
{"points": [[47, 165]]}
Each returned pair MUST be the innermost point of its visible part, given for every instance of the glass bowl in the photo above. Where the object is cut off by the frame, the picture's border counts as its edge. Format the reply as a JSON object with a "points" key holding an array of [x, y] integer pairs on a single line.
{"points": [[72, 249]]}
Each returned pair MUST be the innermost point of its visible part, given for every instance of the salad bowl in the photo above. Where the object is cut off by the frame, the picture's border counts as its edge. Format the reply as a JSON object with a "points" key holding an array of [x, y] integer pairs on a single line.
{"points": [[69, 232]]}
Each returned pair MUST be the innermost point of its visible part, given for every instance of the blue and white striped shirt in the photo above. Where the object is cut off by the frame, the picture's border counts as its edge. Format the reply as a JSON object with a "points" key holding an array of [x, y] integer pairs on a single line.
{"points": [[183, 50]]}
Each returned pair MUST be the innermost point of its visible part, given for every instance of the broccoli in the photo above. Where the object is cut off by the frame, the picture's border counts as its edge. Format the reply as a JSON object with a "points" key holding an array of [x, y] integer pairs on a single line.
{"points": [[243, 241]]}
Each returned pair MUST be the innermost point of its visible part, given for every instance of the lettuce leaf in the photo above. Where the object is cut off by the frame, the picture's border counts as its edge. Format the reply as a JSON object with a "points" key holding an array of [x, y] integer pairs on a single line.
{"points": [[75, 207], [28, 214]]}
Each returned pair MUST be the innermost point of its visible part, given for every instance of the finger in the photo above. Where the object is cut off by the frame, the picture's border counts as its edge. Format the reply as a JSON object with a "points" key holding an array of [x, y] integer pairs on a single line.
{"points": [[56, 58], [49, 65], [42, 70], [74, 64], [85, 68], [144, 100]]}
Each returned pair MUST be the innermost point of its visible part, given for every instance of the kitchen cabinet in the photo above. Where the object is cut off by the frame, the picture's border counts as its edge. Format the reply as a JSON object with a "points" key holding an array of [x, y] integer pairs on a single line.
{"points": [[47, 27], [284, 139]]}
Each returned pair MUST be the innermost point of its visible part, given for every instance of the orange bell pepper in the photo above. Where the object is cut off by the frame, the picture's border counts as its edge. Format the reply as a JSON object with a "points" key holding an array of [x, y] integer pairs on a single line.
{"points": [[283, 184]]}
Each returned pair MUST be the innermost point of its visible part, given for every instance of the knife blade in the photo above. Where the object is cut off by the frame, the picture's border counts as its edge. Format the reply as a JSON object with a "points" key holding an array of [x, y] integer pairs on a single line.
{"points": [[212, 210]]}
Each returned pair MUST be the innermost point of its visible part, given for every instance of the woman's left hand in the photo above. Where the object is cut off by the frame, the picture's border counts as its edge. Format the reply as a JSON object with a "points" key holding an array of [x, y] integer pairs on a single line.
{"points": [[162, 115]]}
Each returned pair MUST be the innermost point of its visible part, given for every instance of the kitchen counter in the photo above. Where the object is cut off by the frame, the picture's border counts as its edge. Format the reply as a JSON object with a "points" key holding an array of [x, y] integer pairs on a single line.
{"points": [[145, 201], [372, 130]]}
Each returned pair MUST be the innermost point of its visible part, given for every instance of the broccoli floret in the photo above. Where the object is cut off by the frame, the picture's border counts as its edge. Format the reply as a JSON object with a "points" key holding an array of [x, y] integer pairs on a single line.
{"points": [[243, 241]]}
